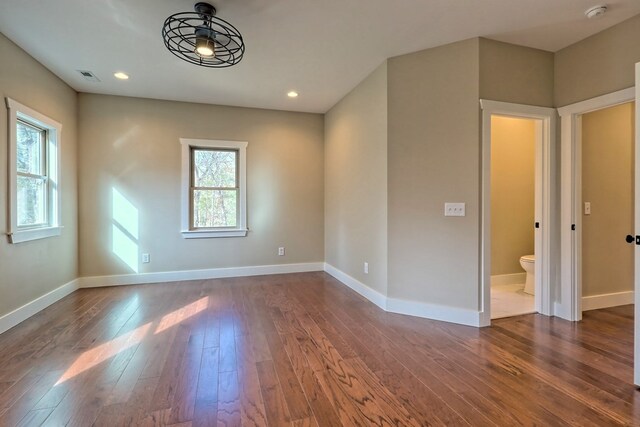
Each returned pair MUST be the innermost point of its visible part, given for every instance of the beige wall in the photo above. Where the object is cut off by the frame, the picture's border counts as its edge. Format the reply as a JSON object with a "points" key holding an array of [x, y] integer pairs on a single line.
{"points": [[515, 74], [434, 157], [32, 269], [132, 145], [434, 153], [600, 64], [356, 182], [512, 192], [607, 182]]}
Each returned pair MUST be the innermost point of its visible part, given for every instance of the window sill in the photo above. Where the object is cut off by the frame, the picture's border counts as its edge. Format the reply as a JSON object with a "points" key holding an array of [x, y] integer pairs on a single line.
{"points": [[34, 234], [209, 234]]}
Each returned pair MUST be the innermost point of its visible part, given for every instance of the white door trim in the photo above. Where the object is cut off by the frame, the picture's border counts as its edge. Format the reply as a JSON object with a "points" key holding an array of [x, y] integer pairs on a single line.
{"points": [[570, 299], [636, 258], [545, 189]]}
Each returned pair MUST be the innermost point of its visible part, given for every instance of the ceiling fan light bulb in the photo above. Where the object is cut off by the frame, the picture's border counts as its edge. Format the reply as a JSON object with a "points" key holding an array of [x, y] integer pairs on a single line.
{"points": [[205, 47]]}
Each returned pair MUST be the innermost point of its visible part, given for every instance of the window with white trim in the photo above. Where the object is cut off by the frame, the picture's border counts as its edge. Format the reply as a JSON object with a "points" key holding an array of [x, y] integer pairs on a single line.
{"points": [[34, 186], [213, 188]]}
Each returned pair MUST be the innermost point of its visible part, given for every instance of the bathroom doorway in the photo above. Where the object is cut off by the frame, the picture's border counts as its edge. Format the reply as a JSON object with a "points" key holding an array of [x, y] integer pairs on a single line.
{"points": [[517, 192], [513, 158]]}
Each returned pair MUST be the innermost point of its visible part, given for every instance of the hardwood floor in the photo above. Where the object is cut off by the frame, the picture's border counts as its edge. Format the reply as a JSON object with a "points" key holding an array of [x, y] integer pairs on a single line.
{"points": [[303, 350]]}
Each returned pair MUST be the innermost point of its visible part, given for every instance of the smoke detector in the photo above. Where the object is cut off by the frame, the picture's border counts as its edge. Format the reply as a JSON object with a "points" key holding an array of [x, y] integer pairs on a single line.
{"points": [[595, 11]]}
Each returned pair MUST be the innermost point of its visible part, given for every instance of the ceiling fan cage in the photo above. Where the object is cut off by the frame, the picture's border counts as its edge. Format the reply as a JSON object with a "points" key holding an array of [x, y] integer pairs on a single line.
{"points": [[182, 30]]}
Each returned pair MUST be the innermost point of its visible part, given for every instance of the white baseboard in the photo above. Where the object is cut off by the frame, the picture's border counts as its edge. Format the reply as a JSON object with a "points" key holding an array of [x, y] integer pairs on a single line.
{"points": [[435, 312], [508, 279], [21, 314], [211, 273], [411, 308], [369, 293], [607, 300]]}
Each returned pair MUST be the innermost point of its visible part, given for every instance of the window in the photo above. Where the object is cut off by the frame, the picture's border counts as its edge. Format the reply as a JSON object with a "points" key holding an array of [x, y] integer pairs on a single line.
{"points": [[213, 188], [34, 193]]}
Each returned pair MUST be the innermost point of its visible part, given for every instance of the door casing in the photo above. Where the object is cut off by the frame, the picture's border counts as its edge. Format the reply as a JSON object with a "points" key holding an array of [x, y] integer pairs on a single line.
{"points": [[545, 197], [569, 305]]}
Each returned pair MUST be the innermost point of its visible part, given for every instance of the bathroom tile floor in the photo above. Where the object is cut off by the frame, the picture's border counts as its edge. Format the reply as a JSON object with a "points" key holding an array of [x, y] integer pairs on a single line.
{"points": [[510, 300]]}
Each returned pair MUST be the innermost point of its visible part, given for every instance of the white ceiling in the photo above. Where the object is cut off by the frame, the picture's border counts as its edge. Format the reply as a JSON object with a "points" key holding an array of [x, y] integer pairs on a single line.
{"points": [[322, 49]]}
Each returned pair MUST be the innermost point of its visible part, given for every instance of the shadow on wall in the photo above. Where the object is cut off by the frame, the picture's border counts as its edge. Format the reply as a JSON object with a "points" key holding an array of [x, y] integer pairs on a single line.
{"points": [[124, 230]]}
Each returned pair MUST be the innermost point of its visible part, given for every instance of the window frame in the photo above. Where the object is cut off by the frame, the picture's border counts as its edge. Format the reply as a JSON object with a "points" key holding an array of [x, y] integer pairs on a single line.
{"points": [[51, 153], [188, 147]]}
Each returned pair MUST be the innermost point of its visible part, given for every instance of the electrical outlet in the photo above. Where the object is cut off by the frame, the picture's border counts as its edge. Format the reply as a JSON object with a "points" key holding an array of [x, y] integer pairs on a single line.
{"points": [[366, 268], [145, 258], [280, 251], [454, 209]]}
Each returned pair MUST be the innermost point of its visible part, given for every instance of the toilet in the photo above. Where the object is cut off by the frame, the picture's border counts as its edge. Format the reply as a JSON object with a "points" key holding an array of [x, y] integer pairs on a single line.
{"points": [[528, 263]]}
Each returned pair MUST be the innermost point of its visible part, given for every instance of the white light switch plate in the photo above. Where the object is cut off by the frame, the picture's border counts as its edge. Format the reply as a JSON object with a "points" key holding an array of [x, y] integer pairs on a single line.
{"points": [[454, 209], [587, 208]]}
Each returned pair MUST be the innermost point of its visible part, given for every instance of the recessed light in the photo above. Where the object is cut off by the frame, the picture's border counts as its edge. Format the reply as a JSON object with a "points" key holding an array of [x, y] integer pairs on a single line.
{"points": [[292, 94], [120, 75]]}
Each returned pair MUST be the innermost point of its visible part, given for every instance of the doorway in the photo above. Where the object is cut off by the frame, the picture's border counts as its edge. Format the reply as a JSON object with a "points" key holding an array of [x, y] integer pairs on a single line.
{"points": [[573, 219], [513, 185], [607, 147], [542, 123]]}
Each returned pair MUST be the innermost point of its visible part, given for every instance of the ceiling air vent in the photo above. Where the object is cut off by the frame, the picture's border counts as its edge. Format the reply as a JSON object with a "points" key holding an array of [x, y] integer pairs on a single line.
{"points": [[88, 75]]}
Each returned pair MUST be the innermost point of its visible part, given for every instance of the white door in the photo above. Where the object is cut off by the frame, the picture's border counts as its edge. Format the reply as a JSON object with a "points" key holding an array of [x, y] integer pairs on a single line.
{"points": [[636, 340]]}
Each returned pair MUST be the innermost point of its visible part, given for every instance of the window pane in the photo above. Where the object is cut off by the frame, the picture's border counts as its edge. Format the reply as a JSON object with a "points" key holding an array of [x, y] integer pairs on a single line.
{"points": [[31, 201], [214, 168], [215, 208], [30, 142]]}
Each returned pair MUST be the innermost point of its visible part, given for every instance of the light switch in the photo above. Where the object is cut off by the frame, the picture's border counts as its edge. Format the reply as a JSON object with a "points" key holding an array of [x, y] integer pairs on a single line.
{"points": [[587, 208], [454, 209]]}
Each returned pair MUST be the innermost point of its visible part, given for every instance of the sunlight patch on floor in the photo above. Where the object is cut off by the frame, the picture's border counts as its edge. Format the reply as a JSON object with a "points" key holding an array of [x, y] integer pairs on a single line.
{"points": [[181, 314], [99, 354], [103, 352]]}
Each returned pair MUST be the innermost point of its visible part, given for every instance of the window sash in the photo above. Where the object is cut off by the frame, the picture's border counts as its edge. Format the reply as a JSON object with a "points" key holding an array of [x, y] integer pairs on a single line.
{"points": [[221, 227], [192, 168], [45, 203], [43, 162], [193, 188]]}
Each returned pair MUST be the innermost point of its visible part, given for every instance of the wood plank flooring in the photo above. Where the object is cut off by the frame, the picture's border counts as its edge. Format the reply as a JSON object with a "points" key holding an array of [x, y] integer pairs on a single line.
{"points": [[303, 350]]}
